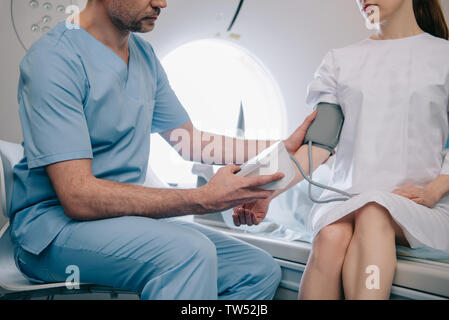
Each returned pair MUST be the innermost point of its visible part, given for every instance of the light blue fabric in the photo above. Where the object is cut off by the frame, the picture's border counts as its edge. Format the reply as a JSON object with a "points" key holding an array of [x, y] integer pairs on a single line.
{"points": [[77, 100], [160, 259]]}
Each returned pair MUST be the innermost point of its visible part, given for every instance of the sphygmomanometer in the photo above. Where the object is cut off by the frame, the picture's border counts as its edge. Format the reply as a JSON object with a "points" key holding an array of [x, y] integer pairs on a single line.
{"points": [[324, 132]]}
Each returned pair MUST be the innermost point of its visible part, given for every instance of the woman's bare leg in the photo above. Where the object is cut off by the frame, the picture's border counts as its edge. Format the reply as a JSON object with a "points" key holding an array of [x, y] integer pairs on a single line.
{"points": [[322, 277], [370, 263]]}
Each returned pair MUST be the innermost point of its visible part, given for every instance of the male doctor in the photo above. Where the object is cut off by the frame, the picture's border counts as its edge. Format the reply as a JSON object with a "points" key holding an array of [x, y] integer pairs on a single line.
{"points": [[89, 98]]}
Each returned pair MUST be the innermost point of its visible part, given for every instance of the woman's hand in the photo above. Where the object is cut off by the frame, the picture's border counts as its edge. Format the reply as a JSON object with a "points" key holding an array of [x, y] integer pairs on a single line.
{"points": [[251, 213], [424, 196], [296, 140]]}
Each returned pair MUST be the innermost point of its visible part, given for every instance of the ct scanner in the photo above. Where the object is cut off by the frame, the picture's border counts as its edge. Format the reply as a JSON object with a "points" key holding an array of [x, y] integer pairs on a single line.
{"points": [[289, 37]]}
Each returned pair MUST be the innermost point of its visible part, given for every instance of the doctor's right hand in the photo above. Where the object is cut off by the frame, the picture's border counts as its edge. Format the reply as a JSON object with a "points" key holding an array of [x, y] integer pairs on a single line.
{"points": [[226, 190]]}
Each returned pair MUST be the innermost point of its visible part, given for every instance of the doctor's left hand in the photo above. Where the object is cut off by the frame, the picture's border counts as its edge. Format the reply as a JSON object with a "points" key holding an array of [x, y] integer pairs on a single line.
{"points": [[296, 140], [251, 213], [422, 196]]}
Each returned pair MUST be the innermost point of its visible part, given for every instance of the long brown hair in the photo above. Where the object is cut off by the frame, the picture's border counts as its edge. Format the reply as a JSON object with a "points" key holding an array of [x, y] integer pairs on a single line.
{"points": [[430, 18]]}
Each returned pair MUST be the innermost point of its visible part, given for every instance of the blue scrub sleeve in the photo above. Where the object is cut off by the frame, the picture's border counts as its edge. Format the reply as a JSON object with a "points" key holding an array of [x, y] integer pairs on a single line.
{"points": [[52, 88], [168, 111]]}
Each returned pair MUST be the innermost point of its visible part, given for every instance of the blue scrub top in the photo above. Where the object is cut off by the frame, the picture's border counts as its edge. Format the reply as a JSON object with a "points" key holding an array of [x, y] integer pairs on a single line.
{"points": [[80, 100]]}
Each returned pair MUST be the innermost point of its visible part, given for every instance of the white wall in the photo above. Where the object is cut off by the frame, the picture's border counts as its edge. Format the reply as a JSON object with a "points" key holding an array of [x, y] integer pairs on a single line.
{"points": [[290, 38], [12, 53]]}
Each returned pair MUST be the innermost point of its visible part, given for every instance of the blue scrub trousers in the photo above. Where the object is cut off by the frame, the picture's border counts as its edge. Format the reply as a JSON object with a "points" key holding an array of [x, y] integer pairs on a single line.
{"points": [[158, 259]]}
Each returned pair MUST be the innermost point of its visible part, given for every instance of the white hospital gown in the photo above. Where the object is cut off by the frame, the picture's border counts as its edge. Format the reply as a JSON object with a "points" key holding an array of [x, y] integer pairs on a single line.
{"points": [[395, 98]]}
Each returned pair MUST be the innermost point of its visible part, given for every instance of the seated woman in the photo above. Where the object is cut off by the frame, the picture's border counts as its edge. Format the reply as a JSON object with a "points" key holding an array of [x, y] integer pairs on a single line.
{"points": [[394, 92]]}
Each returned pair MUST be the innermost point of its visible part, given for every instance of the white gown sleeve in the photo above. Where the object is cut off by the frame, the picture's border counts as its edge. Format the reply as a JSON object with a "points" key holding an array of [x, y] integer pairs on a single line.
{"points": [[323, 88], [445, 169]]}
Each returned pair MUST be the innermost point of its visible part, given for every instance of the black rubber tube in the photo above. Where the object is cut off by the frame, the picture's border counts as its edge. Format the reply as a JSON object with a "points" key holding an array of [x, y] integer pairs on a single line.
{"points": [[237, 12]]}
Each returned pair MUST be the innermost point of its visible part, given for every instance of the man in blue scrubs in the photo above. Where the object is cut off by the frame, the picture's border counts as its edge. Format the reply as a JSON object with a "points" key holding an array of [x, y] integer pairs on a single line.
{"points": [[89, 98]]}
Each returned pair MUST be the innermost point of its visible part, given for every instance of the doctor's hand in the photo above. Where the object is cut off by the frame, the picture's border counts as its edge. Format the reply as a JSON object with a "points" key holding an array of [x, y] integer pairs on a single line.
{"points": [[226, 190], [423, 196], [251, 213], [296, 140]]}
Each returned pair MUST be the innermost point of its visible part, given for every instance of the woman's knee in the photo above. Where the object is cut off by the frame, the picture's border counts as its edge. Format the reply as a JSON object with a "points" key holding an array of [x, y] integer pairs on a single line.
{"points": [[336, 236], [332, 241], [374, 218]]}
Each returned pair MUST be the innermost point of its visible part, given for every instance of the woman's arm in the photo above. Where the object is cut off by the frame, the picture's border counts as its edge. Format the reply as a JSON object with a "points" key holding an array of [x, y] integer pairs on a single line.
{"points": [[253, 213], [319, 156], [439, 187], [428, 196]]}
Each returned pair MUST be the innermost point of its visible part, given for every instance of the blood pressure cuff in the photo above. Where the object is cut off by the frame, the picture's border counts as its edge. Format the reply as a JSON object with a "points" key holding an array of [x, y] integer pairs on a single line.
{"points": [[325, 130]]}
